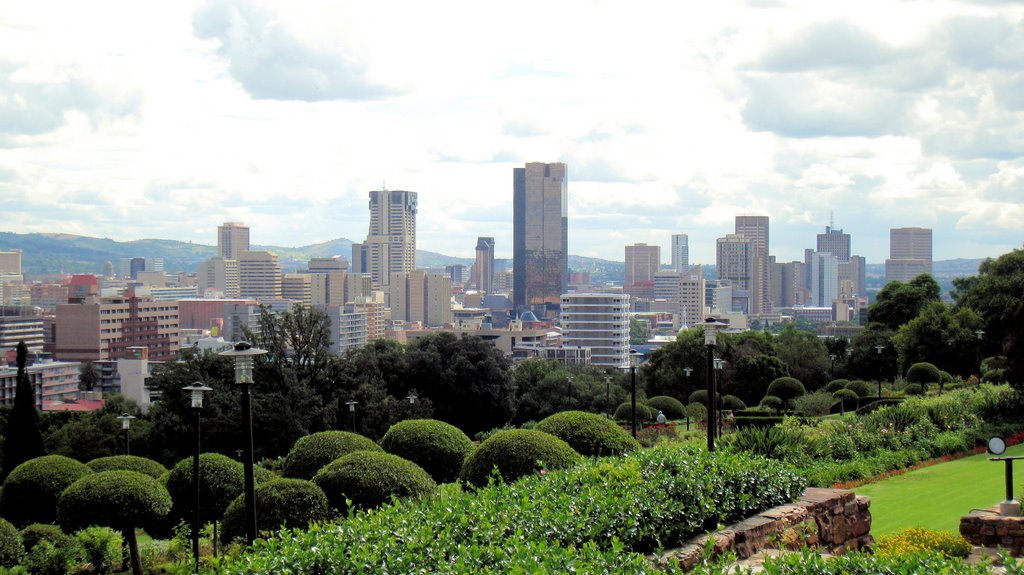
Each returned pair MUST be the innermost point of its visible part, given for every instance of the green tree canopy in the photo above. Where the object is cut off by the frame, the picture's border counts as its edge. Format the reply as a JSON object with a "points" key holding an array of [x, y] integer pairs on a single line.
{"points": [[942, 336], [898, 303]]}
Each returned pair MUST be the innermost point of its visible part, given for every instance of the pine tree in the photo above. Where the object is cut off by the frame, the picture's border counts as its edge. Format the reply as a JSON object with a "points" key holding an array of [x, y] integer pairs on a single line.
{"points": [[22, 439]]}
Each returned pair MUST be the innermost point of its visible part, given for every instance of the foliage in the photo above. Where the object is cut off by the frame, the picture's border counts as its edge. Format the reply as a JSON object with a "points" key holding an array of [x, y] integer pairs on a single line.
{"points": [[314, 451], [11, 547], [368, 479], [23, 440], [288, 503], [101, 548], [664, 371], [805, 356], [861, 388], [221, 480], [37, 532], [848, 398], [439, 448], [48, 558], [923, 373], [913, 389], [128, 463], [122, 500], [670, 406], [599, 517], [774, 442], [516, 453], [88, 376], [696, 411], [545, 386], [589, 434], [701, 396], [95, 434], [772, 402], [836, 385], [917, 540], [813, 563], [731, 402], [31, 491], [814, 404], [624, 412], [943, 336], [786, 389], [898, 302]]}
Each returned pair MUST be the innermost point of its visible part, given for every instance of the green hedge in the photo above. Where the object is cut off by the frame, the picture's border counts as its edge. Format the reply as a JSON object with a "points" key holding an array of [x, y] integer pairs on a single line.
{"points": [[438, 447], [11, 547], [118, 499], [624, 412], [670, 406], [867, 406], [128, 463], [288, 503], [221, 480], [598, 517], [516, 453], [312, 452], [32, 489], [589, 433], [756, 421], [369, 478]]}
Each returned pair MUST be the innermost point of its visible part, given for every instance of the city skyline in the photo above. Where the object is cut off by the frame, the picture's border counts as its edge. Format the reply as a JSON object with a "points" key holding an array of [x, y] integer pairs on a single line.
{"points": [[284, 117]]}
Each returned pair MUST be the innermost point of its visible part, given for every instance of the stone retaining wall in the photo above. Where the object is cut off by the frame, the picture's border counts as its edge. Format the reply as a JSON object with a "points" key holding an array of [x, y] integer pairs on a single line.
{"points": [[987, 528], [833, 520]]}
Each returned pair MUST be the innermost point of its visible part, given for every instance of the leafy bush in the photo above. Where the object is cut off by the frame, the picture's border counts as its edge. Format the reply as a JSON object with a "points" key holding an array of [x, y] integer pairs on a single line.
{"points": [[101, 548], [221, 480], [47, 558], [696, 411], [368, 479], [847, 397], [923, 373], [814, 404], [37, 532], [916, 540], [128, 463], [774, 442], [745, 421], [786, 388], [997, 375], [288, 503], [312, 452], [701, 396], [624, 412], [120, 499], [31, 491], [599, 517], [861, 388], [913, 389], [11, 546], [771, 402], [516, 453], [733, 403], [895, 417], [836, 384], [439, 448], [588, 433], [947, 442], [867, 408], [670, 406]]}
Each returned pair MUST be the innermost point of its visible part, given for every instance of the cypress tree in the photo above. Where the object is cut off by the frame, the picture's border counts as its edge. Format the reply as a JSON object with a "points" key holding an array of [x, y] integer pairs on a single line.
{"points": [[22, 438]]}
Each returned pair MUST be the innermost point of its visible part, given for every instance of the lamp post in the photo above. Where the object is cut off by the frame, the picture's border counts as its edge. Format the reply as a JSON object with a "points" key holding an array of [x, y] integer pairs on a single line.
{"points": [[710, 340], [832, 366], [981, 335], [569, 381], [243, 354], [126, 423], [352, 409], [719, 364], [879, 348], [412, 397], [196, 391], [608, 392], [634, 360]]}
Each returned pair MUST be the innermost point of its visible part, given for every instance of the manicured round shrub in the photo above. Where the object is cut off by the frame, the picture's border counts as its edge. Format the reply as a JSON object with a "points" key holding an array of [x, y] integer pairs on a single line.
{"points": [[37, 532], [11, 546], [371, 478], [847, 397], [438, 447], [670, 406], [733, 403], [625, 410], [128, 463], [836, 384], [786, 388], [861, 388], [122, 500], [923, 373], [312, 452], [221, 480], [31, 491], [515, 453], [913, 389], [696, 411], [289, 503], [589, 433], [771, 402], [701, 396]]}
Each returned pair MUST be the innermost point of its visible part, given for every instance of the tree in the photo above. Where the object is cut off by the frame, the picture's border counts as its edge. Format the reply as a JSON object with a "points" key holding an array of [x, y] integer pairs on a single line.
{"points": [[865, 361], [22, 439], [88, 376], [664, 373], [940, 335], [997, 294], [898, 302], [805, 356], [637, 331]]}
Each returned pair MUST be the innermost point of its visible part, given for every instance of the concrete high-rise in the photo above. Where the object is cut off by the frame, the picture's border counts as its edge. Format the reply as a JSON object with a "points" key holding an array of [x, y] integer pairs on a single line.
{"points": [[259, 275], [219, 274], [824, 279], [680, 252], [642, 262], [735, 261], [540, 237], [910, 254], [328, 280], [483, 268], [685, 292], [835, 242], [419, 296], [599, 322], [107, 328], [232, 240], [756, 229], [10, 263], [390, 245]]}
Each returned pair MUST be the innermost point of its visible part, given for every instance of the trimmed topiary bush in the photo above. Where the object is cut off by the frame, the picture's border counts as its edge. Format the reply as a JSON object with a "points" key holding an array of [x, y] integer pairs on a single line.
{"points": [[861, 388], [31, 491], [625, 410], [438, 447], [836, 384], [923, 373], [312, 452], [11, 547], [588, 433], [515, 453], [847, 399], [37, 532], [670, 406], [221, 480], [786, 388], [128, 463], [913, 389], [733, 403], [371, 478], [771, 402], [289, 503]]}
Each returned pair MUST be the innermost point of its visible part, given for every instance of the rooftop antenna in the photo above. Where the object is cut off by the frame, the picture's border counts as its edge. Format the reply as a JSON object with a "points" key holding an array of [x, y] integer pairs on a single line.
{"points": [[383, 185], [831, 220]]}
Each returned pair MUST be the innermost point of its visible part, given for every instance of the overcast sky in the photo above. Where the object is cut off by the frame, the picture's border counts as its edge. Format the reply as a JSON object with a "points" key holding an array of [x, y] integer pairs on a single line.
{"points": [[163, 119]]}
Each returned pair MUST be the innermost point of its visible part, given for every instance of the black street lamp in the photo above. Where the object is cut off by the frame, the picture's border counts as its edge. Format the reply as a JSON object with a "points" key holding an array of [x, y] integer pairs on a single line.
{"points": [[719, 364], [126, 423], [710, 340], [832, 367], [634, 360], [879, 348], [981, 335], [196, 391], [243, 354], [608, 392], [352, 409], [569, 380]]}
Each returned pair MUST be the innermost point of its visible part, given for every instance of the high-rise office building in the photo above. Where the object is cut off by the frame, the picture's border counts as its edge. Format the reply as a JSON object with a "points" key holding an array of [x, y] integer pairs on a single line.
{"points": [[219, 274], [10, 263], [390, 245], [735, 263], [756, 229], [540, 237], [420, 296], [680, 252], [910, 254], [106, 328], [232, 240], [824, 279], [483, 268], [137, 265], [835, 242], [642, 262], [328, 280], [685, 292], [259, 275], [298, 287]]}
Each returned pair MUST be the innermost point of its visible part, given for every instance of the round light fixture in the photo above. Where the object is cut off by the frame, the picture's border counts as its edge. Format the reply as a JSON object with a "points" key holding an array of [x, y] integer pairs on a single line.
{"points": [[996, 445]]}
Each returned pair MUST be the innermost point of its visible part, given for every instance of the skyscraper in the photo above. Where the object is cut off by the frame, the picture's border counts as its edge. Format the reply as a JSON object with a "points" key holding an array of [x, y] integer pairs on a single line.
{"points": [[734, 262], [642, 262], [232, 240], [390, 245], [680, 252], [483, 269], [910, 253], [756, 229], [540, 236], [259, 275], [835, 242]]}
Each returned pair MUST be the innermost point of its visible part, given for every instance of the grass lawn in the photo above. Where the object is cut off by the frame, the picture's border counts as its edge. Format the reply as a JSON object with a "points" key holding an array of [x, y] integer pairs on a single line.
{"points": [[936, 496]]}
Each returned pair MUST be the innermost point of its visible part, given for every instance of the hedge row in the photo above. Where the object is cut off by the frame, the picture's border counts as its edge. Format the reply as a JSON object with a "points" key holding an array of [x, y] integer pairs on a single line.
{"points": [[597, 517]]}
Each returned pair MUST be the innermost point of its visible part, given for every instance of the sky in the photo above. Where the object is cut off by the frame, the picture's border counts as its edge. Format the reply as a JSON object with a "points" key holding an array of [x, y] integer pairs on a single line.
{"points": [[134, 120]]}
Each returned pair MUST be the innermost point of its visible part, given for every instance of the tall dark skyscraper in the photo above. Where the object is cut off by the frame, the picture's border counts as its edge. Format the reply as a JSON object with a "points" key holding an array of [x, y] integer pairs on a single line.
{"points": [[540, 236]]}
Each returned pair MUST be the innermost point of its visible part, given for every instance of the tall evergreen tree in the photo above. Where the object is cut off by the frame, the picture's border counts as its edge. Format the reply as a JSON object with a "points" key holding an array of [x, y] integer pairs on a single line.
{"points": [[22, 438]]}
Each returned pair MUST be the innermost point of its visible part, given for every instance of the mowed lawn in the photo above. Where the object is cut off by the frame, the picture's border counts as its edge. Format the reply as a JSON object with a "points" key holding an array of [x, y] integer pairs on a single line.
{"points": [[937, 496]]}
